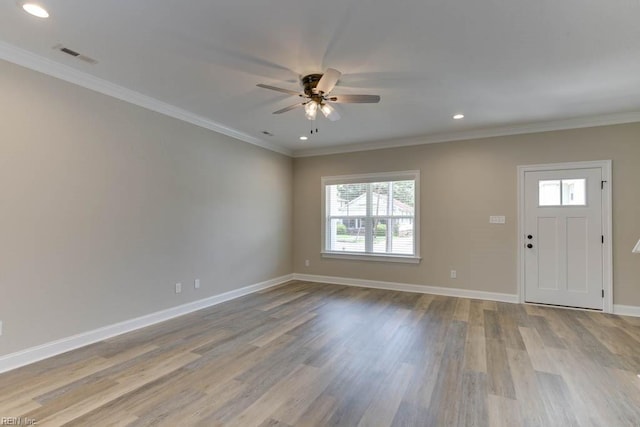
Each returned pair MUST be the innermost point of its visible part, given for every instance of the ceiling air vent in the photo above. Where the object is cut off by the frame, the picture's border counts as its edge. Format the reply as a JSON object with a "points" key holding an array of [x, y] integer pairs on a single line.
{"points": [[75, 54]]}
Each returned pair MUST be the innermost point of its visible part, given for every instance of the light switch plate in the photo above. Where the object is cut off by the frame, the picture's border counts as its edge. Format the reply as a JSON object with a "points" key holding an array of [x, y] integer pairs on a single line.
{"points": [[497, 219], [636, 250]]}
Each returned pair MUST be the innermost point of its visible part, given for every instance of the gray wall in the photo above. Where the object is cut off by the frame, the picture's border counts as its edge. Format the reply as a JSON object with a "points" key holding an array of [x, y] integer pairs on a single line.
{"points": [[104, 206], [462, 183]]}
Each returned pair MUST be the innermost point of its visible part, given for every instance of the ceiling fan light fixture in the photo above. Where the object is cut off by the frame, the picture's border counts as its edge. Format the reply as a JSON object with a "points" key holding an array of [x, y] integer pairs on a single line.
{"points": [[35, 9], [458, 117], [303, 138], [329, 112], [311, 110], [315, 95]]}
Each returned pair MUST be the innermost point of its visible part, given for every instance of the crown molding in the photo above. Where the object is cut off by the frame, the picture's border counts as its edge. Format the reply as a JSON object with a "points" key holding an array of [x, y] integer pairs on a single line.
{"points": [[27, 59], [24, 58], [575, 123]]}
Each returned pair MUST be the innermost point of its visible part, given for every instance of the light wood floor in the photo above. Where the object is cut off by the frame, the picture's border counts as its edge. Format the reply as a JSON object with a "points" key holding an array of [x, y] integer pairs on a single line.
{"points": [[319, 355]]}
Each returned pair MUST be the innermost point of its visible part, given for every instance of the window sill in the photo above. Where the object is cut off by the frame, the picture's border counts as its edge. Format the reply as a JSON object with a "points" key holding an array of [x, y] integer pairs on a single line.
{"points": [[407, 259]]}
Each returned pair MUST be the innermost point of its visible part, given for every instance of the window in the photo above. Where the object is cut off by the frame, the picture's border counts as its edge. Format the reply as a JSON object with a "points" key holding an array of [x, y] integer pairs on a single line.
{"points": [[371, 216], [565, 192]]}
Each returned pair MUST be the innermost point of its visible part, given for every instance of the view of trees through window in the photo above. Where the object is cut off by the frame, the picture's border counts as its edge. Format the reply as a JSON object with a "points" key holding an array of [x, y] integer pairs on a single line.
{"points": [[376, 217]]}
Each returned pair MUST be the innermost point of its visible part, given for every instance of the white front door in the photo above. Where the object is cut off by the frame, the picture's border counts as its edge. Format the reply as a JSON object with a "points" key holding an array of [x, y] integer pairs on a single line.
{"points": [[563, 254]]}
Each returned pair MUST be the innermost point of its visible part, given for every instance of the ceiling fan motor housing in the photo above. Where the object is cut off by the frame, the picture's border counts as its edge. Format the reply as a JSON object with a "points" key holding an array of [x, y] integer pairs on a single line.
{"points": [[309, 83]]}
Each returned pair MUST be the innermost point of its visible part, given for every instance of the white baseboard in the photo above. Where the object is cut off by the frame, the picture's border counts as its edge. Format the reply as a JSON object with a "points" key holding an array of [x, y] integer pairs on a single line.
{"points": [[626, 310], [405, 287], [44, 351]]}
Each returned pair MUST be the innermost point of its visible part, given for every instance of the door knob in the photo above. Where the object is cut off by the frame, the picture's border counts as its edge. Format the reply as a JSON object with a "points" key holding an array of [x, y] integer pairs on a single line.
{"points": [[529, 245], [529, 237]]}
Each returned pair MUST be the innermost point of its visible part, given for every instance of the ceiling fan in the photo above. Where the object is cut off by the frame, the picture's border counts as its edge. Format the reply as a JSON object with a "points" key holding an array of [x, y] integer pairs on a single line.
{"points": [[316, 89]]}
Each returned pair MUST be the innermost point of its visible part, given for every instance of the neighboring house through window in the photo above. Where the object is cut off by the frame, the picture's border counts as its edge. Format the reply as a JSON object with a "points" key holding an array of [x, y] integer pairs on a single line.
{"points": [[372, 216]]}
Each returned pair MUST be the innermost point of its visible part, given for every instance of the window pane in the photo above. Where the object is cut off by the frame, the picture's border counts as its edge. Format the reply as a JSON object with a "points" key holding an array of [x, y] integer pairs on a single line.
{"points": [[380, 236], [347, 199], [346, 235], [549, 192], [380, 198], [404, 194], [573, 192], [403, 236], [371, 217]]}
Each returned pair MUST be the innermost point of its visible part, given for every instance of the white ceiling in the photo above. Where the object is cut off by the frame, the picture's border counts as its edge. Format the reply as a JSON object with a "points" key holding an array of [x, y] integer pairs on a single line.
{"points": [[503, 63]]}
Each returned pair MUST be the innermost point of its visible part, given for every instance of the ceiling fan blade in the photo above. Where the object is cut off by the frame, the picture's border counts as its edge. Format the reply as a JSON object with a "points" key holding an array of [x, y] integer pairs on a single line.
{"points": [[328, 80], [279, 89], [289, 108], [355, 99]]}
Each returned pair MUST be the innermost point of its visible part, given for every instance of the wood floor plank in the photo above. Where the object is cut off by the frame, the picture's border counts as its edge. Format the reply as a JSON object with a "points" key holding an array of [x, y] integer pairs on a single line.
{"points": [[71, 397], [462, 310], [307, 354], [509, 331], [383, 407], [552, 336], [476, 313], [319, 412], [295, 410], [554, 393], [125, 385], [499, 378], [525, 379], [492, 328], [22, 397], [292, 296], [584, 391], [444, 404], [475, 358], [540, 358], [202, 411], [473, 400], [282, 329], [503, 412]]}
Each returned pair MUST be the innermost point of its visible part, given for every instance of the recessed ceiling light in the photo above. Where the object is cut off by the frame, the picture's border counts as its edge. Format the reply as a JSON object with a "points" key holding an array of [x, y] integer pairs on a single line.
{"points": [[458, 116], [303, 138], [35, 10]]}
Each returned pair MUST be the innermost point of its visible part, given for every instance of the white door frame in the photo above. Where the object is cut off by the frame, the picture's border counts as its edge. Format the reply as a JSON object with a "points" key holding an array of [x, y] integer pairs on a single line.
{"points": [[607, 224]]}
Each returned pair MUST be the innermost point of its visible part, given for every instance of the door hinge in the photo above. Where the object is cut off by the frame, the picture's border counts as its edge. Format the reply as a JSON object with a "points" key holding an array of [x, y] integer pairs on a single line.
{"points": [[603, 239], [602, 185], [603, 293]]}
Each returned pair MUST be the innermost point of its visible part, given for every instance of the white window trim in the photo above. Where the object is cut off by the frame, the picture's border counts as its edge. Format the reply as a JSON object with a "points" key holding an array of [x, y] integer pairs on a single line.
{"points": [[367, 178]]}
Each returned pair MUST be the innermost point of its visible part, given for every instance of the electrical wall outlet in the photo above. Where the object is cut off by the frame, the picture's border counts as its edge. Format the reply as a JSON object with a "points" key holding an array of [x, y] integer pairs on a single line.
{"points": [[196, 284], [178, 288], [307, 263], [454, 274]]}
